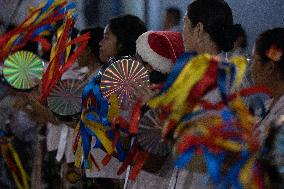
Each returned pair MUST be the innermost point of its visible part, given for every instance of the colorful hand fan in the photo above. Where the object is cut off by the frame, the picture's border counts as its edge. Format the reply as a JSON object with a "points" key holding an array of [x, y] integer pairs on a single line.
{"points": [[65, 97], [150, 134], [23, 70], [120, 77]]}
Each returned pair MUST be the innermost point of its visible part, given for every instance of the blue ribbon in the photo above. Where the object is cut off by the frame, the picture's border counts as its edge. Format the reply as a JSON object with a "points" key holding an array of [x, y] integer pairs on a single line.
{"points": [[92, 117], [62, 60], [98, 113], [232, 70], [226, 70], [257, 104], [35, 33], [232, 177], [46, 6], [68, 7], [42, 29], [121, 155], [85, 143], [98, 144], [184, 158], [101, 103], [18, 40], [221, 81], [190, 116], [91, 87], [86, 133], [213, 162], [178, 67], [227, 115]]}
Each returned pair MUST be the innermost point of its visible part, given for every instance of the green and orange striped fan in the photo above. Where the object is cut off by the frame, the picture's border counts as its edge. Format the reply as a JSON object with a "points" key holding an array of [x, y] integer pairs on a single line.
{"points": [[23, 70]]}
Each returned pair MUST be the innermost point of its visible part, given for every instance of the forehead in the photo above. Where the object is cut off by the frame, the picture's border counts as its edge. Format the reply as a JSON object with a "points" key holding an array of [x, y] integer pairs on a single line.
{"points": [[186, 20]]}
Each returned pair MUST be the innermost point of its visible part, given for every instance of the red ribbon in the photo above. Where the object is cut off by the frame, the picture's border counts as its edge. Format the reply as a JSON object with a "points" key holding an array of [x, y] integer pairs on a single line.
{"points": [[106, 159], [170, 126], [94, 161], [142, 156], [244, 92], [135, 118], [207, 82], [75, 144], [189, 140], [44, 43], [27, 32], [131, 156], [123, 124], [11, 164], [258, 177], [52, 76]]}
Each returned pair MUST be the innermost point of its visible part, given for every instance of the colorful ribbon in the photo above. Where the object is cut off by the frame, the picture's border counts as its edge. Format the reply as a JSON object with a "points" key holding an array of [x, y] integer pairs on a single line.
{"points": [[59, 57], [216, 130], [41, 21], [14, 163]]}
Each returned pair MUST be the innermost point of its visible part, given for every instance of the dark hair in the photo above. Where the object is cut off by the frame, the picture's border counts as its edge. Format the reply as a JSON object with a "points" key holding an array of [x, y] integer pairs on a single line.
{"points": [[240, 32], [217, 18], [96, 35], [265, 40], [176, 14], [127, 29]]}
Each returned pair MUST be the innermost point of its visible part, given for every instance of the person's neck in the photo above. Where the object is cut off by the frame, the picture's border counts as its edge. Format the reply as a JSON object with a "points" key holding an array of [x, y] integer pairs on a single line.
{"points": [[208, 47]]}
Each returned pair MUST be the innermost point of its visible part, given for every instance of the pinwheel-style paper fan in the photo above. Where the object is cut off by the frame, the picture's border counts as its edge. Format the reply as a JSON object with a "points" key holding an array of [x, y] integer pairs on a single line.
{"points": [[150, 134], [65, 97], [23, 70], [120, 77]]}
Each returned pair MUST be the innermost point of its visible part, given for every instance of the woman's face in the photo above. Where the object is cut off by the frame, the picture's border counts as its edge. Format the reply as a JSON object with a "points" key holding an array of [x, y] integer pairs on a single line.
{"points": [[189, 36], [108, 46]]}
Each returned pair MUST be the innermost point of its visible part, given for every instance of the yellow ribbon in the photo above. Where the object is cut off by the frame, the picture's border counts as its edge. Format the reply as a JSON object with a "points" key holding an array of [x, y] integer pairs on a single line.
{"points": [[245, 118], [180, 89], [24, 176], [228, 144], [20, 166], [241, 64], [114, 107], [100, 132], [78, 155], [246, 172]]}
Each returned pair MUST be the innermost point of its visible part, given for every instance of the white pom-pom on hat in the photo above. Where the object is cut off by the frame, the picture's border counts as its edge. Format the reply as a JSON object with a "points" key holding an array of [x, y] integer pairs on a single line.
{"points": [[160, 49]]}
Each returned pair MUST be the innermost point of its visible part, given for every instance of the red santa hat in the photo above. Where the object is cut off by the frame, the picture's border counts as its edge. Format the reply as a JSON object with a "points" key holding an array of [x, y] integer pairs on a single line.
{"points": [[160, 49]]}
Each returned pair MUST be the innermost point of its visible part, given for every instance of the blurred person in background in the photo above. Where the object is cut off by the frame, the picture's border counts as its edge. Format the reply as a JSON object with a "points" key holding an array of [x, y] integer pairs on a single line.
{"points": [[172, 20]]}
